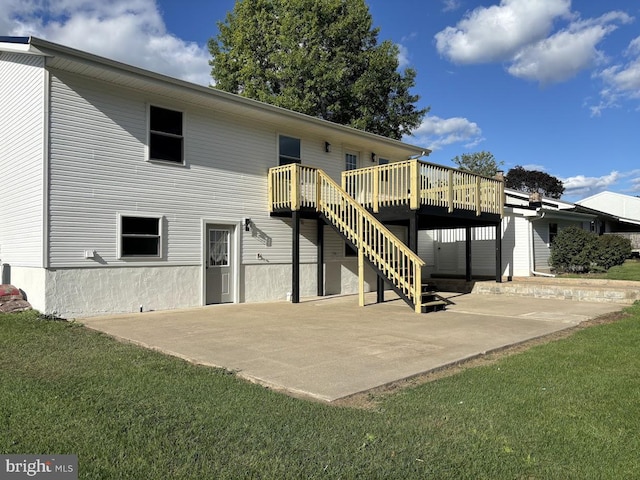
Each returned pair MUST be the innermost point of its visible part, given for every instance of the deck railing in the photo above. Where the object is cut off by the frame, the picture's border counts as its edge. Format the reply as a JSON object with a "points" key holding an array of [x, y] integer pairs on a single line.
{"points": [[296, 186], [415, 183]]}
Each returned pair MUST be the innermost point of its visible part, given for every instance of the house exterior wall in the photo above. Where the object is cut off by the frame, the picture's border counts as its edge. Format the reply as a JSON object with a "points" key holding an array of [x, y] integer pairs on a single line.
{"points": [[22, 141], [541, 243], [98, 169]]}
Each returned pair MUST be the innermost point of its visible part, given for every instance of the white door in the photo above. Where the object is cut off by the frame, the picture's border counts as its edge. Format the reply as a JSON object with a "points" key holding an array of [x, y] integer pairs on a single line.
{"points": [[219, 276]]}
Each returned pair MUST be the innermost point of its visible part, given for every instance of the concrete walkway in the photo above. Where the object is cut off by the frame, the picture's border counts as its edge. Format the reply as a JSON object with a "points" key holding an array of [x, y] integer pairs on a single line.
{"points": [[329, 348]]}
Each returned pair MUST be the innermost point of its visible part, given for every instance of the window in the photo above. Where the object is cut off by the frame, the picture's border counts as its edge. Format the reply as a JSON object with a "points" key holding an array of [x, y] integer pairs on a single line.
{"points": [[383, 161], [166, 142], [288, 150], [351, 161], [140, 236], [349, 251], [219, 248], [553, 232]]}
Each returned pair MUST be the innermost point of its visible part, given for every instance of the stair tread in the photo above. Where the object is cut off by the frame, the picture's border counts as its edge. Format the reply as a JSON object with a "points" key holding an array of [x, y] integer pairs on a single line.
{"points": [[434, 302]]}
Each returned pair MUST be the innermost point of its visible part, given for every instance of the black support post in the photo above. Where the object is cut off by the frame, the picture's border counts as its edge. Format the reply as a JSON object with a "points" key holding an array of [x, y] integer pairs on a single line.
{"points": [[295, 257], [468, 257], [320, 255], [380, 289], [499, 253], [413, 232]]}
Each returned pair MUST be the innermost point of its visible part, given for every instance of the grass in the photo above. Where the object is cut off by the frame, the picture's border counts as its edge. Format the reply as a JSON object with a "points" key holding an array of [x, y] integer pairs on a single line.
{"points": [[630, 270], [565, 409]]}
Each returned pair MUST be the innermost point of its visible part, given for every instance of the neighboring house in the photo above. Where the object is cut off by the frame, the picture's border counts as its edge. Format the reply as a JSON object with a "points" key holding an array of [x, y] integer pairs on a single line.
{"points": [[617, 212], [529, 225], [126, 190]]}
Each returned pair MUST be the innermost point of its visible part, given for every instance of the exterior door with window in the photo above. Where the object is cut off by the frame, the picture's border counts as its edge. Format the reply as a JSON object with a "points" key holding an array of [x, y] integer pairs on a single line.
{"points": [[219, 276]]}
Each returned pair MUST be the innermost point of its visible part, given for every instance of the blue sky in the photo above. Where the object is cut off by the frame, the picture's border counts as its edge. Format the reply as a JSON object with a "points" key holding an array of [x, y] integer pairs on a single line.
{"points": [[552, 85]]}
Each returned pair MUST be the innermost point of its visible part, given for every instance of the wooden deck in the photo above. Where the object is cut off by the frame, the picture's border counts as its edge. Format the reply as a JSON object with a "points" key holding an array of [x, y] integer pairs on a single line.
{"points": [[411, 183], [351, 209]]}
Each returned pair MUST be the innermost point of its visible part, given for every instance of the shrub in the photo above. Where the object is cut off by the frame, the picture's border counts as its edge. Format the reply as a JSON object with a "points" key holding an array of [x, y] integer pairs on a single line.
{"points": [[576, 250], [612, 250], [573, 250]]}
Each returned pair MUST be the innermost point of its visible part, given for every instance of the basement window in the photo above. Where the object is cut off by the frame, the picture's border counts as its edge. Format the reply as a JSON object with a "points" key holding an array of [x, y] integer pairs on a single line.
{"points": [[140, 237], [166, 141]]}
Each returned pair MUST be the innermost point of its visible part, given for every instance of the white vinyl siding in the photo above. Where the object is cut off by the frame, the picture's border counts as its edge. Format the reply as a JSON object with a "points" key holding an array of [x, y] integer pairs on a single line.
{"points": [[98, 168], [22, 134]]}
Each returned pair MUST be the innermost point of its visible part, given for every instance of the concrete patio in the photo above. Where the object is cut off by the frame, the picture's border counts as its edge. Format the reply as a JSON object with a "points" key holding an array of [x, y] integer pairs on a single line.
{"points": [[329, 348]]}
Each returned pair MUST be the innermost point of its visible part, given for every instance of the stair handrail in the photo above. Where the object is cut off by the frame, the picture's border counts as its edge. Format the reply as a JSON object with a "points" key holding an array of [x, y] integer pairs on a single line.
{"points": [[400, 265]]}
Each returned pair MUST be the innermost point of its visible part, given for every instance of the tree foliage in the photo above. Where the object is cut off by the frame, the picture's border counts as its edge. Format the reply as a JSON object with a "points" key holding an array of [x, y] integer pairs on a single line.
{"points": [[533, 181], [482, 163], [317, 57], [576, 250]]}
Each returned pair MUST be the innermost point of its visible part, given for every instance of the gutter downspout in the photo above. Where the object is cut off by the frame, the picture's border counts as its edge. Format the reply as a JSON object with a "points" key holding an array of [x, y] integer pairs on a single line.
{"points": [[532, 249]]}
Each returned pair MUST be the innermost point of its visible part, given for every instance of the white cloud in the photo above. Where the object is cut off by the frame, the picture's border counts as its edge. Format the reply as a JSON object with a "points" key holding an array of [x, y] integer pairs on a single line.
{"points": [[560, 56], [621, 81], [534, 166], [131, 31], [521, 33], [403, 56], [496, 33], [581, 185], [451, 5], [436, 132]]}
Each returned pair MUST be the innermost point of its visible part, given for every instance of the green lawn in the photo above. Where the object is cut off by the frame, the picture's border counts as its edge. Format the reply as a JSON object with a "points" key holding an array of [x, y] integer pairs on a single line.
{"points": [[565, 409], [630, 270]]}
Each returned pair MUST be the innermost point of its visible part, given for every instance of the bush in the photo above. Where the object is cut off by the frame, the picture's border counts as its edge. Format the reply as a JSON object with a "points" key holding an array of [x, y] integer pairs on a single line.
{"points": [[612, 250], [576, 250], [573, 250]]}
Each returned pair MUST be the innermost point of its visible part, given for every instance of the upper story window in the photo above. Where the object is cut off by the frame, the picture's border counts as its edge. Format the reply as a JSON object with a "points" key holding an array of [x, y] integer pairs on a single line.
{"points": [[351, 161], [383, 161], [140, 236], [288, 150], [166, 140]]}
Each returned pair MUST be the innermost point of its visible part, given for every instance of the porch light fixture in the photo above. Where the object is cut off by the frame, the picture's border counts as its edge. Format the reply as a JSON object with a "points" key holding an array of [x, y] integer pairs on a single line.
{"points": [[327, 147], [374, 157], [247, 224]]}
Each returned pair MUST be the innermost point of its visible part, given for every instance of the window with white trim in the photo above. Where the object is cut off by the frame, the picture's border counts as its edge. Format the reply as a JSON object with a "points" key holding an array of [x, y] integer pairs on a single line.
{"points": [[166, 140], [288, 150], [140, 236]]}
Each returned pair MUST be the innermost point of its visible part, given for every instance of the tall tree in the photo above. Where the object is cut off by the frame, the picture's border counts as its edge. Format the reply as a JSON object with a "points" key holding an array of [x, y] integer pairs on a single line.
{"points": [[533, 181], [319, 57], [482, 163]]}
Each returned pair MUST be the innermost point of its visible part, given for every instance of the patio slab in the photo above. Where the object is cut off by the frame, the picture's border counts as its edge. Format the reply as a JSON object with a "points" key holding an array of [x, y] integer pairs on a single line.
{"points": [[329, 348]]}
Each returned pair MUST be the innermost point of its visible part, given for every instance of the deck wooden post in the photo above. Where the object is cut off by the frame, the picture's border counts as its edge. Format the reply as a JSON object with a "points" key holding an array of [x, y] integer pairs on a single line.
{"points": [[320, 255], [375, 200], [450, 192], [295, 257], [468, 258], [478, 199], [499, 252], [360, 260], [295, 187], [414, 202]]}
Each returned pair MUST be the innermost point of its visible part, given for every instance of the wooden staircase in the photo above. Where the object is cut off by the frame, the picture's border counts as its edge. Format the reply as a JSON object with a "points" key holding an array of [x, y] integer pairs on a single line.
{"points": [[297, 186], [350, 209]]}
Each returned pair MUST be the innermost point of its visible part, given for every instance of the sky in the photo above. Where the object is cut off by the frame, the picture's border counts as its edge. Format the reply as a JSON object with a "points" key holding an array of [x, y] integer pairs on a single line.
{"points": [[550, 85]]}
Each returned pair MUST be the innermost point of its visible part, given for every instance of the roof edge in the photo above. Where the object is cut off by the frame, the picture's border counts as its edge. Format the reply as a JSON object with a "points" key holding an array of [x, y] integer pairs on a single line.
{"points": [[48, 47]]}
